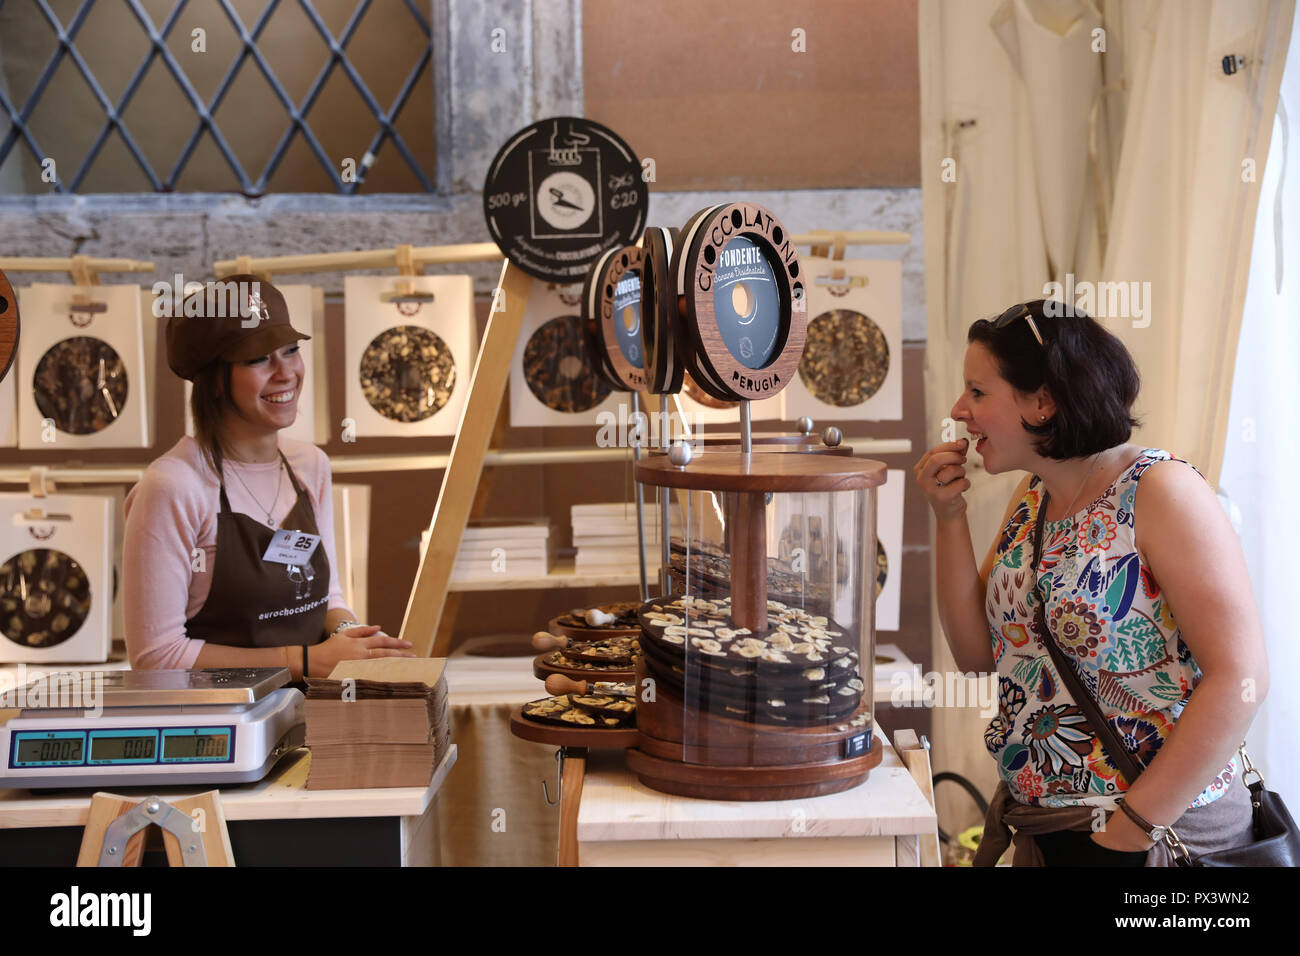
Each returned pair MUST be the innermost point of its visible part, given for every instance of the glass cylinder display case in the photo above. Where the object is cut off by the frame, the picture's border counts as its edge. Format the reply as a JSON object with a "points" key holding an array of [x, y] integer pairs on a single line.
{"points": [[754, 681]]}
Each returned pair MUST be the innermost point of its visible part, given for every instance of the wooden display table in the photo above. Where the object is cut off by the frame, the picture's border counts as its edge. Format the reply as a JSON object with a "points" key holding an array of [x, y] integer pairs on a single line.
{"points": [[274, 822], [879, 823]]}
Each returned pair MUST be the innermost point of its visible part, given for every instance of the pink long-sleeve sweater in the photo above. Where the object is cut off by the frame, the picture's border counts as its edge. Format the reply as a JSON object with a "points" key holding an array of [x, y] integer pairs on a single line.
{"points": [[173, 511]]}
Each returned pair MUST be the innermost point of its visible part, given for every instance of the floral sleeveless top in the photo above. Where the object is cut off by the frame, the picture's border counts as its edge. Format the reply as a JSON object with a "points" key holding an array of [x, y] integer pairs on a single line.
{"points": [[1110, 618]]}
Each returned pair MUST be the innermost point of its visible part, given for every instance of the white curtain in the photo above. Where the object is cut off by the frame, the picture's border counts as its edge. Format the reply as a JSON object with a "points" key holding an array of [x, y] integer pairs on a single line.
{"points": [[1261, 457], [1164, 197]]}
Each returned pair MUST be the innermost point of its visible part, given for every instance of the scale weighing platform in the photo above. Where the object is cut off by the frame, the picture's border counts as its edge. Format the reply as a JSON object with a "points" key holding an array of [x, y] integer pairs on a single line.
{"points": [[156, 728]]}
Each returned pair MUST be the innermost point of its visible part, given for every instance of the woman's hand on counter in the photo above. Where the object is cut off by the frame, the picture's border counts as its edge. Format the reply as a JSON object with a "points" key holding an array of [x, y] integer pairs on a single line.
{"points": [[355, 643], [941, 476]]}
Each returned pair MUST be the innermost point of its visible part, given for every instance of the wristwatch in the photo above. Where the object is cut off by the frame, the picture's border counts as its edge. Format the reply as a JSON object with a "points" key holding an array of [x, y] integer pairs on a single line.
{"points": [[1154, 833]]}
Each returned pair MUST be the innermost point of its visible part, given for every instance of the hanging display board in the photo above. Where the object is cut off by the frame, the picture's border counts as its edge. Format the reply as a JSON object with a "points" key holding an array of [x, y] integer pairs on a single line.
{"points": [[553, 380], [56, 578], [409, 358], [852, 364], [562, 192], [82, 361]]}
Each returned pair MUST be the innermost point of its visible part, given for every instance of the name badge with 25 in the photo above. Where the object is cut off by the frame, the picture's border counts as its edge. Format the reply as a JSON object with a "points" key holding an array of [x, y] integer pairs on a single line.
{"points": [[291, 547]]}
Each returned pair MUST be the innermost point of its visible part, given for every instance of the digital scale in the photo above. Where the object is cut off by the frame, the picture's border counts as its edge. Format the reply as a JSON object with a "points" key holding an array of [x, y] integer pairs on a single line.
{"points": [[156, 728]]}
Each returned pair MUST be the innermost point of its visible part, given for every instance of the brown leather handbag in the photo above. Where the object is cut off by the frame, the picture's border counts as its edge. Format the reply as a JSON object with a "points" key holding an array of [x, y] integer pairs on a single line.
{"points": [[1276, 839]]}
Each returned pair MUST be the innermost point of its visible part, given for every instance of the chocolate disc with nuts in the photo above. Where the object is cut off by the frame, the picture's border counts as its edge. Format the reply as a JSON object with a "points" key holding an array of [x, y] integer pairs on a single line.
{"points": [[795, 640], [845, 358], [44, 598], [81, 384], [557, 369], [8, 325], [408, 373]]}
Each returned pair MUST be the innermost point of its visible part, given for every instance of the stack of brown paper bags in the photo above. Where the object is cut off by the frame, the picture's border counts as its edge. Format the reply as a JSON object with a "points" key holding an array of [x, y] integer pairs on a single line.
{"points": [[377, 723]]}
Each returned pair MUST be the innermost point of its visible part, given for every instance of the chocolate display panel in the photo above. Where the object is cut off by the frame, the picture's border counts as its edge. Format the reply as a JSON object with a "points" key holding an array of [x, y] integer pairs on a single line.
{"points": [[44, 598], [557, 369], [845, 358], [81, 385], [407, 373]]}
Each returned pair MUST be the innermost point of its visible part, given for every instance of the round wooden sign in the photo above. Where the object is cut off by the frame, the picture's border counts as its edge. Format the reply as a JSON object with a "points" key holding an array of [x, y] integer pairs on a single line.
{"points": [[8, 325], [611, 302], [660, 324], [561, 191], [743, 301]]}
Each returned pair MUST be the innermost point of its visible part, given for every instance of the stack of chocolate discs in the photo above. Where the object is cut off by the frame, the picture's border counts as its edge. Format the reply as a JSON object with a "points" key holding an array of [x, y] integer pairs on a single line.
{"points": [[710, 577], [600, 642], [802, 671]]}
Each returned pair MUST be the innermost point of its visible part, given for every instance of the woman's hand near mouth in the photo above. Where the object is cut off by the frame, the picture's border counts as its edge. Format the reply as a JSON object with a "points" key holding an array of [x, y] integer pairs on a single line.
{"points": [[941, 476]]}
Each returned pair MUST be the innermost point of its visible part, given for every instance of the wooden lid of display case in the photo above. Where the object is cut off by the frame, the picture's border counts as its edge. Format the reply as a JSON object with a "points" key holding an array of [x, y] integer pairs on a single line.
{"points": [[8, 325], [736, 471]]}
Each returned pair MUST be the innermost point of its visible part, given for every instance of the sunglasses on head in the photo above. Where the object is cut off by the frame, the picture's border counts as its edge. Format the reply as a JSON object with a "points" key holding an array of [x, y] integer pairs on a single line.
{"points": [[1017, 312]]}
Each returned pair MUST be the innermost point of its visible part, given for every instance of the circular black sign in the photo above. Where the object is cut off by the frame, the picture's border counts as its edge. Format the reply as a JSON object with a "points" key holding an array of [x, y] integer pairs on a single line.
{"points": [[561, 193], [659, 320]]}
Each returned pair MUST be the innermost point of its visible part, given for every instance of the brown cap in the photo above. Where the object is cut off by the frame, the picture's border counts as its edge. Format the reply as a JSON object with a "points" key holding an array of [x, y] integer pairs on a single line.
{"points": [[237, 318]]}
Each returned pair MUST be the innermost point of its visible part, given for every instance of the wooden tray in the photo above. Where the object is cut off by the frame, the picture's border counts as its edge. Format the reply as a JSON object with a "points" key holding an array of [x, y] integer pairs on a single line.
{"points": [[525, 729], [543, 670], [788, 782]]}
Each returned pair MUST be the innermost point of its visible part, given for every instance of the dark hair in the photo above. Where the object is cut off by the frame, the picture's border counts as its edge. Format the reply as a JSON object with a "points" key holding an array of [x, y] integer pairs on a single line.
{"points": [[209, 400], [1087, 371]]}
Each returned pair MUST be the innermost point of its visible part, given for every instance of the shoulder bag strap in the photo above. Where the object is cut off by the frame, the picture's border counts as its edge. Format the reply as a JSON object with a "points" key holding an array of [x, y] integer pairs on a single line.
{"points": [[1118, 753]]}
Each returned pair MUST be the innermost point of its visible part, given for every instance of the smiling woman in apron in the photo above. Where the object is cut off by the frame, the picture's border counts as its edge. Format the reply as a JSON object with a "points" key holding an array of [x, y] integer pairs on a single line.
{"points": [[228, 550]]}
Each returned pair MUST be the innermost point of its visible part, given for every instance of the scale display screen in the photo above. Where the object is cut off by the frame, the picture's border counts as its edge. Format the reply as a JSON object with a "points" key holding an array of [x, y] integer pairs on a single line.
{"points": [[123, 746], [197, 745], [136, 746], [54, 749]]}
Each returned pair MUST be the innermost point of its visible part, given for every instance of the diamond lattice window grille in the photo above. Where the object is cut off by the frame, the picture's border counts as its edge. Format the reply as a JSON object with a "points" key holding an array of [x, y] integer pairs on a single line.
{"points": [[202, 112]]}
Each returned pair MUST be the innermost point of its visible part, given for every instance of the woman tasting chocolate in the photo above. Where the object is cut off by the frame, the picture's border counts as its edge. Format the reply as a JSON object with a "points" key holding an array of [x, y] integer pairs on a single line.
{"points": [[1144, 589], [205, 584]]}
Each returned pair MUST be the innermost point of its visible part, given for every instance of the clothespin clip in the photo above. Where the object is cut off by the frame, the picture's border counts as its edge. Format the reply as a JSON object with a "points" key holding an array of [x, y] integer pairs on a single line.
{"points": [[406, 290], [83, 277], [838, 280], [39, 484]]}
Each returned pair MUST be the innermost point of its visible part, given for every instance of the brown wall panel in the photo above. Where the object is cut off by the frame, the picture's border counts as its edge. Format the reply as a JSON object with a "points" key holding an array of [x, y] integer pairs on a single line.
{"points": [[716, 95]]}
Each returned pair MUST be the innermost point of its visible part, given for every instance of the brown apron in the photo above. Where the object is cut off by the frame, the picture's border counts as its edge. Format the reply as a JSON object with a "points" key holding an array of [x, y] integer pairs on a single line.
{"points": [[256, 603]]}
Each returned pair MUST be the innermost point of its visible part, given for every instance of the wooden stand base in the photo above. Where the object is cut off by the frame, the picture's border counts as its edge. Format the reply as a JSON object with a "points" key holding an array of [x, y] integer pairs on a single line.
{"points": [[791, 782], [694, 753]]}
